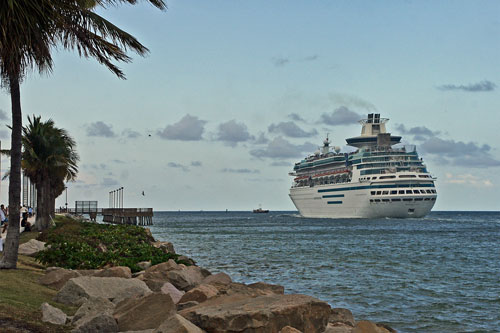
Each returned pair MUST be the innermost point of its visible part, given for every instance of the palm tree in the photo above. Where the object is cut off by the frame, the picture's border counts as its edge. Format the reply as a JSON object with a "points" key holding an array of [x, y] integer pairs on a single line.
{"points": [[49, 158], [28, 32]]}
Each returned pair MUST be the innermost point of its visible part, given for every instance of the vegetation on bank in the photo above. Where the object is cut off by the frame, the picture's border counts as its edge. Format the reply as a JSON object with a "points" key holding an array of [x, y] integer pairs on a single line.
{"points": [[74, 244], [87, 245]]}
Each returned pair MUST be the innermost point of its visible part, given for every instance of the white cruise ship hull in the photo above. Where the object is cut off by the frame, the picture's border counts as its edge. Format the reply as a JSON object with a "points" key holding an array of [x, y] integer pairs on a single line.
{"points": [[346, 201]]}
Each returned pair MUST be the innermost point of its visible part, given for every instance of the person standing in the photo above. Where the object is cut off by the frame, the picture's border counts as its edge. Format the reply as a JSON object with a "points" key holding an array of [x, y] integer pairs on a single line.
{"points": [[3, 215]]}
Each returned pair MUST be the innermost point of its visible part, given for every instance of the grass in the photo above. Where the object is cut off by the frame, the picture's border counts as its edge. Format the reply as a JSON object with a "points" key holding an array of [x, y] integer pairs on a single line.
{"points": [[91, 245], [21, 296]]}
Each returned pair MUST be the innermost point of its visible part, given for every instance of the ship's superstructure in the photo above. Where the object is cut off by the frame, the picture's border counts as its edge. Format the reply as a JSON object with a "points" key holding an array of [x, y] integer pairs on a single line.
{"points": [[377, 180]]}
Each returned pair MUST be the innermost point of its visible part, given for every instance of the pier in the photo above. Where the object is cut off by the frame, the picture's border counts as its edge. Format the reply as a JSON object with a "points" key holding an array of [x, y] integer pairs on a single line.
{"points": [[134, 216]]}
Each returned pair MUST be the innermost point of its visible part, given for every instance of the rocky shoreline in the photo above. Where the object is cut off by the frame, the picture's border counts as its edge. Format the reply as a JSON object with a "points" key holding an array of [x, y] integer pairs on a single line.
{"points": [[175, 298]]}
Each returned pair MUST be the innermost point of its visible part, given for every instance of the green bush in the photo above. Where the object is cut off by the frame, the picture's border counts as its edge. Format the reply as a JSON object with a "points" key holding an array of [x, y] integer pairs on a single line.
{"points": [[83, 245]]}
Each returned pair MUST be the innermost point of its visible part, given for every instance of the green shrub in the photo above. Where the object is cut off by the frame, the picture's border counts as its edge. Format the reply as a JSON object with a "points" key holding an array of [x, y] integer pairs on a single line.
{"points": [[83, 245]]}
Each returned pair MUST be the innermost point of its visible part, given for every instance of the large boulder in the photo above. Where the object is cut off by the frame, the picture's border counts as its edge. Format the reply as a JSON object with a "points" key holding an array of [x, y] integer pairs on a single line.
{"points": [[77, 290], [31, 247], [173, 292], [187, 278], [52, 315], [235, 288], [268, 288], [118, 271], [93, 307], [199, 294], [142, 313], [342, 316], [365, 326], [160, 271], [219, 278], [103, 322], [57, 278], [238, 313], [167, 247], [338, 328], [289, 329], [178, 324]]}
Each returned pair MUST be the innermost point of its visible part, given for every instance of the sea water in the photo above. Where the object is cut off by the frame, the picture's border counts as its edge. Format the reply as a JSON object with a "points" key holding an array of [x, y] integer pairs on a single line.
{"points": [[435, 274]]}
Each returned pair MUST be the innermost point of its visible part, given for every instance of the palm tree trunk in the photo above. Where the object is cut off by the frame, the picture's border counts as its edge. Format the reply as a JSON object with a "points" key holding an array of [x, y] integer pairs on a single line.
{"points": [[43, 204], [11, 247]]}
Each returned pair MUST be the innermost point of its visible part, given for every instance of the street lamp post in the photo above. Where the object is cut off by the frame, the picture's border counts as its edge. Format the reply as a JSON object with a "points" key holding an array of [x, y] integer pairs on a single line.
{"points": [[66, 188]]}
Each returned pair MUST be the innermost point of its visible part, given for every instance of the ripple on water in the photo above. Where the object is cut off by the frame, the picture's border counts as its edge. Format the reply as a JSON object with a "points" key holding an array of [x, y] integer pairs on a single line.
{"points": [[437, 274]]}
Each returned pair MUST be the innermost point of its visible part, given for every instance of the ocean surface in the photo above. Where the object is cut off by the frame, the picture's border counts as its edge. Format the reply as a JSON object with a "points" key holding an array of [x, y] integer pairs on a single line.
{"points": [[436, 274]]}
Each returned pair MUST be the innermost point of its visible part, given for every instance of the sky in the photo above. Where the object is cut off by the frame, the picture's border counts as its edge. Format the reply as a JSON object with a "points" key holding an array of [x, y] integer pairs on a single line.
{"points": [[233, 93]]}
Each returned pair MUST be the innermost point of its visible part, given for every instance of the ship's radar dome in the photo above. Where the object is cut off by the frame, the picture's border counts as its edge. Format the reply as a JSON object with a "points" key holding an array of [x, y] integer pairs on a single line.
{"points": [[337, 149]]}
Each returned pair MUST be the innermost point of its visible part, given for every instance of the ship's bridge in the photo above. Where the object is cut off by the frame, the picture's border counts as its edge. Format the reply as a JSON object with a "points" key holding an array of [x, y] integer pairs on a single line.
{"points": [[373, 133]]}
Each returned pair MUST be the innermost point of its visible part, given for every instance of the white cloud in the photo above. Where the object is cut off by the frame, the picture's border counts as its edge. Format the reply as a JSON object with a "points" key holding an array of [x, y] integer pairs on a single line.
{"points": [[100, 129], [232, 132], [189, 128], [467, 179]]}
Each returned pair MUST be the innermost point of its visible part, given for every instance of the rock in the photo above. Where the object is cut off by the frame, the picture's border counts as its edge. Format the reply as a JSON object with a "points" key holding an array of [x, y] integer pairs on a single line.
{"points": [[77, 290], [144, 264], [268, 288], [154, 284], [88, 272], [343, 316], [178, 324], [338, 328], [221, 278], [199, 294], [186, 259], [167, 247], [185, 279], [182, 306], [241, 289], [289, 329], [103, 322], [138, 275], [365, 326], [57, 278], [142, 313], [149, 233], [238, 313], [31, 247], [92, 307], [52, 315], [118, 271], [160, 271], [173, 292]]}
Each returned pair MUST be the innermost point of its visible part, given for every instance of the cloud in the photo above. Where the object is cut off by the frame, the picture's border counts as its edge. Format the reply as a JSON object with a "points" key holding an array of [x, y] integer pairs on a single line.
{"points": [[290, 129], [312, 57], [280, 61], [118, 161], [340, 116], [229, 170], [196, 163], [4, 115], [178, 166], [467, 179], [189, 128], [109, 182], [281, 164], [484, 85], [131, 134], [280, 148], [460, 153], [100, 129], [232, 132], [261, 139], [295, 117], [420, 133], [350, 101], [4, 134]]}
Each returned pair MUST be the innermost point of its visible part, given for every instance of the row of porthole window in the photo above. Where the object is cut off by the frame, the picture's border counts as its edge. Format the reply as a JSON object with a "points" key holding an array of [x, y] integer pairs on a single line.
{"points": [[402, 199], [403, 192]]}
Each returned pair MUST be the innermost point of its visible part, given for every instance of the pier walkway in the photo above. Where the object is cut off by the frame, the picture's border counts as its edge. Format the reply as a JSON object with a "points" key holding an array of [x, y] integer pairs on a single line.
{"points": [[135, 216]]}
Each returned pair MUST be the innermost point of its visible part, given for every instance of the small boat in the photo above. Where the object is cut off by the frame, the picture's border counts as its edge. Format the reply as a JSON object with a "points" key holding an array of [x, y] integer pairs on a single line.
{"points": [[260, 210]]}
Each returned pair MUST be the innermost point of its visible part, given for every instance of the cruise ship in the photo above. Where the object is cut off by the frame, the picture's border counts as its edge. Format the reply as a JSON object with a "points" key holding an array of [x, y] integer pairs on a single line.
{"points": [[382, 178]]}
